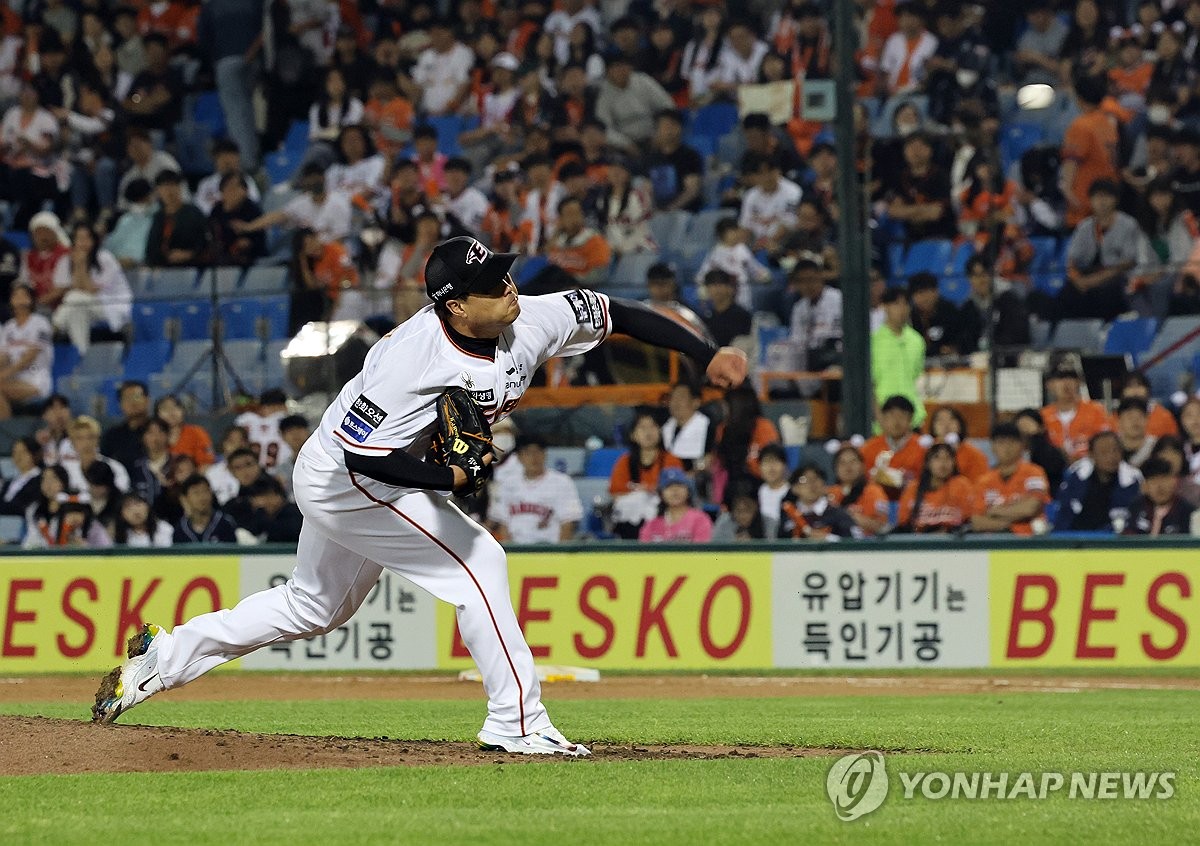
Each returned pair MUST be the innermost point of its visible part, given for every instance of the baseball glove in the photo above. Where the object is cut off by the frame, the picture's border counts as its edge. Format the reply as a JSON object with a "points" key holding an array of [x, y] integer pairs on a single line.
{"points": [[463, 438]]}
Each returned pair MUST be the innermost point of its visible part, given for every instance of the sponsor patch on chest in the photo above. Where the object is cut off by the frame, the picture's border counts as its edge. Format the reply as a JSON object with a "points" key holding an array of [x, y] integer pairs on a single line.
{"points": [[363, 418]]}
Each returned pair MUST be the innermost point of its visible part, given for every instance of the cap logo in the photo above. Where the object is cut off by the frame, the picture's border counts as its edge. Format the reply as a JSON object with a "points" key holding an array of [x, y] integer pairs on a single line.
{"points": [[477, 253]]}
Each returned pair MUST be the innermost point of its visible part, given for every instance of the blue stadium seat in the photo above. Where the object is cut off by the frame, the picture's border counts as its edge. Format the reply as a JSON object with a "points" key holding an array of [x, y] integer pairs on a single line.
{"points": [[18, 239], [1130, 337], [1017, 139], [276, 310], [529, 267], [793, 452], [12, 528], [101, 360], [631, 269], [141, 281], [566, 459], [1046, 254], [714, 120], [282, 164], [207, 111], [895, 256], [448, 127], [963, 253], [146, 357], [239, 318], [150, 319], [265, 280], [1164, 375], [246, 356], [1048, 282], [195, 318], [600, 462], [932, 256], [1085, 335], [705, 145], [670, 231], [954, 288], [192, 144], [174, 282]]}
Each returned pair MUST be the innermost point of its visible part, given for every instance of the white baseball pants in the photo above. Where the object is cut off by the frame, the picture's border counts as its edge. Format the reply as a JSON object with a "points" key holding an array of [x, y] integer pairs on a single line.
{"points": [[353, 528]]}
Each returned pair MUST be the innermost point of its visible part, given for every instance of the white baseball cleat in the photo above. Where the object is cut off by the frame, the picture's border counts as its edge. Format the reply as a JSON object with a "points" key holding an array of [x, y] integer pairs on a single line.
{"points": [[548, 741], [133, 682]]}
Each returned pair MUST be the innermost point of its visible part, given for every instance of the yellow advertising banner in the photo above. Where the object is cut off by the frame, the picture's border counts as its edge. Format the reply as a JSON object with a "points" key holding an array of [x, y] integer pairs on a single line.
{"points": [[75, 613], [1114, 608], [663, 610]]}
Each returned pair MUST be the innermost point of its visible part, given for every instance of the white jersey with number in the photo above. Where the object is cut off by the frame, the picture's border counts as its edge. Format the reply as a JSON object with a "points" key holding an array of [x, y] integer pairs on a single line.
{"points": [[391, 403], [533, 510], [264, 437], [17, 339]]}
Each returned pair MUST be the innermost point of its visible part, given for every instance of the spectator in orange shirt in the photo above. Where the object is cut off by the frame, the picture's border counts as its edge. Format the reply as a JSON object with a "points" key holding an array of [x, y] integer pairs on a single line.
{"points": [[184, 438], [1013, 496], [1071, 420], [501, 227], [634, 479], [1131, 77], [389, 116], [320, 270], [941, 500], [1089, 149], [862, 499], [576, 248], [948, 426], [1161, 421], [894, 457]]}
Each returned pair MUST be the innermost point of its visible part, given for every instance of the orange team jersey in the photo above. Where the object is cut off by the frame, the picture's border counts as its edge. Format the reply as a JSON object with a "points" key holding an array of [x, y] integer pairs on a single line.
{"points": [[949, 507], [1090, 142], [388, 120], [578, 259], [335, 269], [872, 502], [972, 463], [1027, 480], [621, 480], [1160, 423], [1089, 419], [1133, 80], [909, 459], [195, 443]]}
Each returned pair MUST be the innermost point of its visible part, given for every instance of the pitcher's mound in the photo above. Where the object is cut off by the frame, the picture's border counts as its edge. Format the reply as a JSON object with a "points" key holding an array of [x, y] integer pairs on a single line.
{"points": [[40, 745]]}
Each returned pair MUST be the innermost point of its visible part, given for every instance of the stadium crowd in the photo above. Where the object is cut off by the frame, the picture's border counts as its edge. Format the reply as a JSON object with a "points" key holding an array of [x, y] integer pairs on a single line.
{"points": [[650, 148]]}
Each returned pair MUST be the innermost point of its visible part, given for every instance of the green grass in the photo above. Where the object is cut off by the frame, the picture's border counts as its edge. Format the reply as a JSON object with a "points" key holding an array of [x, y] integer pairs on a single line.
{"points": [[693, 802]]}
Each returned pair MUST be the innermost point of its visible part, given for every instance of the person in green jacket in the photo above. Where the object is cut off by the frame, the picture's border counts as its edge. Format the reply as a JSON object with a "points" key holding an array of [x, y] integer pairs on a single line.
{"points": [[897, 354]]}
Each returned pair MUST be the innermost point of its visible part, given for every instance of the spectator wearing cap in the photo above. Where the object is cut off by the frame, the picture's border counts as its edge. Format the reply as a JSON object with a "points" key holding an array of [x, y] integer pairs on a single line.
{"points": [[626, 207], [442, 75], [906, 51], [678, 520], [725, 319], [155, 99], [1070, 420], [1160, 421], [769, 208], [991, 300], [496, 133], [895, 456], [1136, 443], [629, 104], [538, 505], [145, 162], [1097, 491], [179, 234], [816, 320], [576, 248], [127, 240], [806, 512], [1089, 151], [921, 198], [1160, 510], [935, 318], [230, 247], [675, 170], [464, 205], [1104, 248], [1036, 57], [898, 354], [226, 158], [227, 32], [1012, 497], [731, 254], [325, 212], [1185, 178]]}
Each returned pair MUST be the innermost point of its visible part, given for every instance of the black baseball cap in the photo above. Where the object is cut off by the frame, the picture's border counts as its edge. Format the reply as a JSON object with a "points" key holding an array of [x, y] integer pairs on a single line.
{"points": [[462, 266]]}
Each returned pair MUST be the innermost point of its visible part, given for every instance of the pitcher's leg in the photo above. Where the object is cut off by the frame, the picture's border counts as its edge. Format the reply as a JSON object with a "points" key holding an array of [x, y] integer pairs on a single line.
{"points": [[426, 539], [326, 587]]}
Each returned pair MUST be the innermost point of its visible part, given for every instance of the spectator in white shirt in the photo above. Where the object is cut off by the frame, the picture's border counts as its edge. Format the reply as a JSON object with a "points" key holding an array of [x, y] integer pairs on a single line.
{"points": [[495, 134], [701, 55], [538, 505], [906, 51], [731, 255], [442, 75], [227, 159], [97, 290], [816, 325], [147, 164], [685, 434], [773, 466], [28, 142], [326, 213], [335, 108], [26, 353], [561, 22], [466, 203], [770, 206], [740, 58], [359, 170]]}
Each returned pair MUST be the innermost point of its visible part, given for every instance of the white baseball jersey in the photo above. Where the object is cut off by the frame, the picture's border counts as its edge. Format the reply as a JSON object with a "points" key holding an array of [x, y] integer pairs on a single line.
{"points": [[763, 213], [16, 340], [390, 404], [533, 510], [264, 437]]}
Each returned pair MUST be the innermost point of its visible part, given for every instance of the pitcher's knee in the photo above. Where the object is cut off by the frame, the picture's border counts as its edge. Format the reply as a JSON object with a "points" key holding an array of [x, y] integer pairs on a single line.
{"points": [[312, 614]]}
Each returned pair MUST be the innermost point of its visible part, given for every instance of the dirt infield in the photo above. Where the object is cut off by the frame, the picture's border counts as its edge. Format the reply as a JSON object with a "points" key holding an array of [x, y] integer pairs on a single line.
{"points": [[38, 745]]}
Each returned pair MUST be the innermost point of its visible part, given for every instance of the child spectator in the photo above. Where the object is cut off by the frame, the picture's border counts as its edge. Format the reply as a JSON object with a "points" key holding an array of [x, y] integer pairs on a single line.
{"points": [[731, 255], [1012, 497], [772, 462], [865, 501], [941, 500], [742, 521], [1098, 491], [633, 482], [807, 513], [1159, 510], [136, 526], [678, 520]]}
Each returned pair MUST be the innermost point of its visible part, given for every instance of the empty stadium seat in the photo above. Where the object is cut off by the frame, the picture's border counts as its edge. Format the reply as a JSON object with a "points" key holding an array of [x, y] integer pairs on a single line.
{"points": [[66, 359], [265, 280], [173, 282], [145, 358], [12, 528], [239, 318], [228, 279], [150, 319], [566, 459], [529, 267], [713, 121], [448, 127], [963, 253], [103, 360], [140, 281], [1017, 139], [1084, 335], [1131, 337], [932, 256], [207, 111], [670, 230], [195, 320], [275, 311], [631, 269], [1047, 254], [600, 462]]}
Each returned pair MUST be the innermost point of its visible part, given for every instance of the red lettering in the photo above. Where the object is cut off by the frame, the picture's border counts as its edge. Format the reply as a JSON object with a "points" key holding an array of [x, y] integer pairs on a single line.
{"points": [[77, 616], [1165, 653], [458, 649], [652, 616], [1089, 614], [743, 589], [596, 616], [131, 617], [202, 583], [1022, 614], [525, 614], [12, 616]]}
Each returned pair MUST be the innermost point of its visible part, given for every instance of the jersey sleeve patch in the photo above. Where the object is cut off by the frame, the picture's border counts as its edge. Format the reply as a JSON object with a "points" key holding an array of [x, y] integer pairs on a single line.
{"points": [[362, 419], [587, 308]]}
